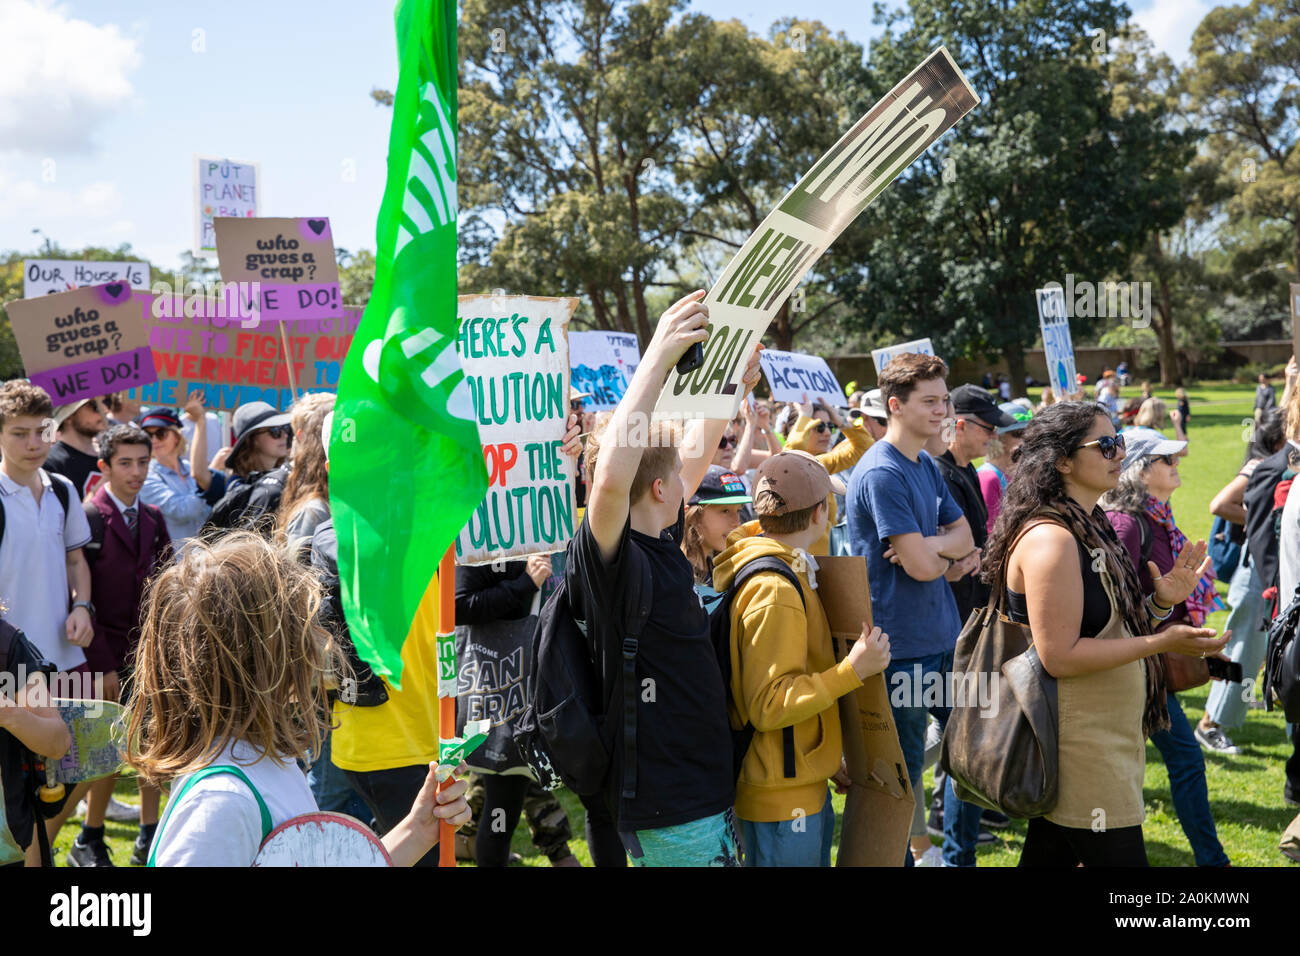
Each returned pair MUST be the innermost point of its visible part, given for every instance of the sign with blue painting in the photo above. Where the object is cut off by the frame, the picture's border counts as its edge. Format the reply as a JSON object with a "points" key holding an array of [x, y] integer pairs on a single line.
{"points": [[602, 364], [1058, 349]]}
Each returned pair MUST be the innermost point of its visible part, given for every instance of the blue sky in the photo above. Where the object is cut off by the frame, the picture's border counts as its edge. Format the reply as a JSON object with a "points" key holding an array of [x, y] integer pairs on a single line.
{"points": [[103, 105]]}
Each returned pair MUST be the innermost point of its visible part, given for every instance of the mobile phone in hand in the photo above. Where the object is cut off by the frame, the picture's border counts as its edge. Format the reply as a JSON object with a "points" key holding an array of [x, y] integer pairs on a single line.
{"points": [[1224, 670]]}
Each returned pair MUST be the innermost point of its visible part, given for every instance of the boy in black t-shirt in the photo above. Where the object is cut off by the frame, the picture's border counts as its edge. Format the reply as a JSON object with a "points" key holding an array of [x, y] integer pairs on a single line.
{"points": [[685, 785]]}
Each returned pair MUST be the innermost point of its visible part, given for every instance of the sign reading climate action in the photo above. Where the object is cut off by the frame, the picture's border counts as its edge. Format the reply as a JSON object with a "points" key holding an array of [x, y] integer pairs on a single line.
{"points": [[773, 260], [515, 356], [84, 343], [792, 375], [1058, 349]]}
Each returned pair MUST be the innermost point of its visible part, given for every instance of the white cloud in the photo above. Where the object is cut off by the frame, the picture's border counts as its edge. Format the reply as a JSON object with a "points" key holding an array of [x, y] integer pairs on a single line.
{"points": [[1171, 23], [40, 202], [60, 78]]}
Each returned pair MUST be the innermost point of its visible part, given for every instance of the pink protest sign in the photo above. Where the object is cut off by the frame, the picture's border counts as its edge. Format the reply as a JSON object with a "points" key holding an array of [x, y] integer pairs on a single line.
{"points": [[86, 342], [287, 264]]}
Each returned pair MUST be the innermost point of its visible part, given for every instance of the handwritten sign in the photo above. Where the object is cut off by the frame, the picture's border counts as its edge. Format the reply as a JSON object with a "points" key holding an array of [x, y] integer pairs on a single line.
{"points": [[233, 365], [46, 276], [774, 260], [222, 187], [1058, 349], [86, 342], [602, 364], [515, 355], [291, 260], [1295, 318], [791, 375], [882, 357]]}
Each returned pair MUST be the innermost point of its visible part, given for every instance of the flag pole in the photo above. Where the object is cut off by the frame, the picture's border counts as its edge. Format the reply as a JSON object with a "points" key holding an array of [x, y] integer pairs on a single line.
{"points": [[446, 687]]}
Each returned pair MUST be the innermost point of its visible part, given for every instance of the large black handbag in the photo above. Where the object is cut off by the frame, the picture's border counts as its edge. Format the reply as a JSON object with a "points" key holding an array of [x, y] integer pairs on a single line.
{"points": [[1002, 756], [1282, 662]]}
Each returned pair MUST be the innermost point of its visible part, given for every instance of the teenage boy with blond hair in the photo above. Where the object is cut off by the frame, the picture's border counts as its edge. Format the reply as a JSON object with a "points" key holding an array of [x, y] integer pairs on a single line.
{"points": [[638, 481], [784, 678]]}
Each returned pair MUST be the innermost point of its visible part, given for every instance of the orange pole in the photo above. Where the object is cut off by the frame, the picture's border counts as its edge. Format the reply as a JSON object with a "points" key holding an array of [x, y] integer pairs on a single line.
{"points": [[288, 360], [447, 702]]}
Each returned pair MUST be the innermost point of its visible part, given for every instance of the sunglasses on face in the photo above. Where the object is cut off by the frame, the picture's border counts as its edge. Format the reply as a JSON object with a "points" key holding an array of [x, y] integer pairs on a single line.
{"points": [[822, 428], [157, 434], [278, 431], [725, 442], [1108, 445], [1170, 460], [975, 421]]}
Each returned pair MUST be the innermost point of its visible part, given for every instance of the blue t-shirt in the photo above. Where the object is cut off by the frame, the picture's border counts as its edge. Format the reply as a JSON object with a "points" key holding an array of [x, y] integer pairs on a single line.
{"points": [[889, 494]]}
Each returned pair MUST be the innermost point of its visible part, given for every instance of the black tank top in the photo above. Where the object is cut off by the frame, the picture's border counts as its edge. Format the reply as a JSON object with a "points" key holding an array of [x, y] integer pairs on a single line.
{"points": [[1096, 603]]}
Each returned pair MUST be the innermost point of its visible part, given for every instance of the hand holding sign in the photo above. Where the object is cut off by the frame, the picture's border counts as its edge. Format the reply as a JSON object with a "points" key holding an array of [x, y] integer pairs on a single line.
{"points": [[684, 323]]}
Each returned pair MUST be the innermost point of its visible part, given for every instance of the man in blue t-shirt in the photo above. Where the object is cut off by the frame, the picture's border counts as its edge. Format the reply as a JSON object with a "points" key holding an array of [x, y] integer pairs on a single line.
{"points": [[903, 518]]}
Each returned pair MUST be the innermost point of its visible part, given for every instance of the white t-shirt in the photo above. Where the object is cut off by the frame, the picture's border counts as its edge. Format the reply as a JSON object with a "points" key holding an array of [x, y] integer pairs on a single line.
{"points": [[218, 822], [33, 565], [1288, 548]]}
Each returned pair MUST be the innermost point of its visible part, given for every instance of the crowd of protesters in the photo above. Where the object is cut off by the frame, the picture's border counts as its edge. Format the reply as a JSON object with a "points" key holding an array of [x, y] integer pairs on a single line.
{"points": [[146, 548]]}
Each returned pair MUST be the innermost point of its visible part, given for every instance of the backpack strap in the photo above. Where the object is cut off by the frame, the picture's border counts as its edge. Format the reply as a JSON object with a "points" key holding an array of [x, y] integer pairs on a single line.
{"points": [[638, 604], [61, 492], [769, 564], [195, 778], [95, 519]]}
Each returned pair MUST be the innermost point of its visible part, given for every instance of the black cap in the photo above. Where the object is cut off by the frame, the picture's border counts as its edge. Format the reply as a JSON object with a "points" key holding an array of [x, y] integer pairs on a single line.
{"points": [[720, 487], [973, 400]]}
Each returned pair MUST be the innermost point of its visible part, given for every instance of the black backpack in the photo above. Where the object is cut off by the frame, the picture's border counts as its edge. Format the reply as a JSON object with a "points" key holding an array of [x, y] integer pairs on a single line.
{"points": [[1282, 661], [1261, 533], [251, 506], [61, 491], [720, 634], [568, 732]]}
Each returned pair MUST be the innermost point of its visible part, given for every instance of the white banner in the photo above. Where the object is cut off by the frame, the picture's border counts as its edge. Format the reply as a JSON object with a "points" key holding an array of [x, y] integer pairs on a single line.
{"points": [[792, 375], [882, 357], [1058, 349], [515, 356], [602, 363], [772, 262], [46, 276]]}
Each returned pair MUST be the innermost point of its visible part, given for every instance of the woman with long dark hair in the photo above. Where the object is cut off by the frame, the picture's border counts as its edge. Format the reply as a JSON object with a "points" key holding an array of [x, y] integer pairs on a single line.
{"points": [[1069, 579]]}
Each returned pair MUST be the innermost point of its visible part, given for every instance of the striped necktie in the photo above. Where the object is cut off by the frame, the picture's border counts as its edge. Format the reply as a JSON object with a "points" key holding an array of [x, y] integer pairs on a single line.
{"points": [[132, 519]]}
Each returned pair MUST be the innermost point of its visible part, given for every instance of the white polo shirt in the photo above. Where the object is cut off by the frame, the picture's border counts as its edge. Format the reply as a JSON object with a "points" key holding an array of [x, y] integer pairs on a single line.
{"points": [[33, 565]]}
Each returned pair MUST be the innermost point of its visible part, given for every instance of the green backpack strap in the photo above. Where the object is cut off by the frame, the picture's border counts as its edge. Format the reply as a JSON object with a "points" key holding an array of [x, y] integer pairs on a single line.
{"points": [[195, 778]]}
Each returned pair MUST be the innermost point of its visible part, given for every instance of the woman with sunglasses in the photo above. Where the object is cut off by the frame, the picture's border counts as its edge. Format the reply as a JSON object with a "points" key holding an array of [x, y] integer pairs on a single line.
{"points": [[812, 433], [1138, 509], [182, 488], [1067, 577]]}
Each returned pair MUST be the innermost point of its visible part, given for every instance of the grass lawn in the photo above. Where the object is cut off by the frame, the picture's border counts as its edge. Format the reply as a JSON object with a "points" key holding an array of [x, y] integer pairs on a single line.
{"points": [[1245, 791]]}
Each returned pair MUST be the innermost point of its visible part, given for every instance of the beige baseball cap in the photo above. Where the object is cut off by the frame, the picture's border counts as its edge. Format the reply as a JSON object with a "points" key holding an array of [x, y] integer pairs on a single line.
{"points": [[798, 479]]}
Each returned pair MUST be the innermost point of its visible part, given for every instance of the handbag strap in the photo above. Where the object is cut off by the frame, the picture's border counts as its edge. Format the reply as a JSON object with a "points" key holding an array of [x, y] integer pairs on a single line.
{"points": [[997, 595]]}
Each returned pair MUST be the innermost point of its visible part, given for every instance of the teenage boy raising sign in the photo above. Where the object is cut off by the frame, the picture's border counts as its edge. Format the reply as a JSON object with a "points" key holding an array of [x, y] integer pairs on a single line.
{"points": [[639, 478]]}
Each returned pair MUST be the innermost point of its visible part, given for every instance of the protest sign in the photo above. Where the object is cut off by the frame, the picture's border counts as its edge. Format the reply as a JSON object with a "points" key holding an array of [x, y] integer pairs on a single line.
{"points": [[232, 364], [221, 188], [1058, 349], [884, 142], [792, 375], [515, 356], [1295, 318], [882, 357], [45, 276], [290, 260], [84, 343], [602, 364]]}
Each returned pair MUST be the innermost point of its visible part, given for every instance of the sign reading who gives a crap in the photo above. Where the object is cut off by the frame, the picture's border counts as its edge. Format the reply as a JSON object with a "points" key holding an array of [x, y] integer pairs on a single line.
{"points": [[884, 142], [515, 355], [289, 262]]}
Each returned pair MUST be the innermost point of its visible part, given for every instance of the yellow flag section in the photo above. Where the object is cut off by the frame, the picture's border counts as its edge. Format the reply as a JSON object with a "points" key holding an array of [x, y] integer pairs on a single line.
{"points": [[402, 731]]}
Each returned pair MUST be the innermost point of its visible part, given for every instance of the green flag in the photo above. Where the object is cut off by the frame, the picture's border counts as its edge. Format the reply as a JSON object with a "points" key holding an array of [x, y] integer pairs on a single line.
{"points": [[406, 467]]}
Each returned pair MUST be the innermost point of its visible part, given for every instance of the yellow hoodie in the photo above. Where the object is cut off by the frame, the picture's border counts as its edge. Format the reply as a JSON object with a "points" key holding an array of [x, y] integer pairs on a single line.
{"points": [[783, 674], [842, 456]]}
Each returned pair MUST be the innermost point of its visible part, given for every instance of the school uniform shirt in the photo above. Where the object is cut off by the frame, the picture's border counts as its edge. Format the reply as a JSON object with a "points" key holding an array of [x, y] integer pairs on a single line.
{"points": [[33, 565], [218, 822], [890, 494], [683, 739], [78, 467]]}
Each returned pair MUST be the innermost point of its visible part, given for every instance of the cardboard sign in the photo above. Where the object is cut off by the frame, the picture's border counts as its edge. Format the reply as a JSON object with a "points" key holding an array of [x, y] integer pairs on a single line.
{"points": [[602, 364], [882, 357], [878, 809], [222, 187], [84, 343], [515, 355], [1058, 349], [46, 276], [1295, 318], [234, 365], [772, 262], [792, 375], [291, 260]]}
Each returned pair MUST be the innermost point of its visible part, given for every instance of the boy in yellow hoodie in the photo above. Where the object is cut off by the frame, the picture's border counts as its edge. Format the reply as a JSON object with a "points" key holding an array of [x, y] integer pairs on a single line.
{"points": [[784, 678]]}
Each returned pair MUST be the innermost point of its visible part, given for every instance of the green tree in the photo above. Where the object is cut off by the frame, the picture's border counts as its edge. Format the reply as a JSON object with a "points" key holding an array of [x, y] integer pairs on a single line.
{"points": [[1044, 178]]}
